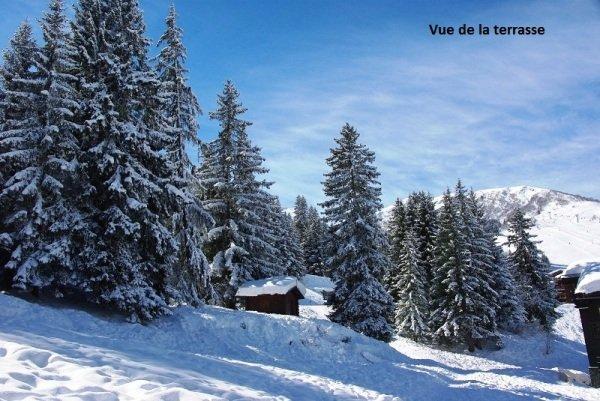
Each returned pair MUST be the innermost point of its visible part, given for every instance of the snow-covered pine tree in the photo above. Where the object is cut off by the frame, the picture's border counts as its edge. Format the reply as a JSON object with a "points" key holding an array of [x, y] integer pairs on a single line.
{"points": [[20, 202], [425, 229], [223, 246], [301, 217], [530, 270], [455, 297], [481, 267], [127, 258], [260, 213], [396, 233], [290, 258], [240, 246], [180, 108], [412, 310], [55, 178], [510, 313], [411, 211], [313, 245], [358, 262]]}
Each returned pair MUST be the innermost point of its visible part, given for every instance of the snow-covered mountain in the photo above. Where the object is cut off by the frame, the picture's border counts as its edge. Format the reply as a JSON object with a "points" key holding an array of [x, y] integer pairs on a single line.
{"points": [[567, 225]]}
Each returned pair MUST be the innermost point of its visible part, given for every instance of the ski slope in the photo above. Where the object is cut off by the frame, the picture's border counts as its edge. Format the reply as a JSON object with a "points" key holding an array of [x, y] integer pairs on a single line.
{"points": [[57, 353]]}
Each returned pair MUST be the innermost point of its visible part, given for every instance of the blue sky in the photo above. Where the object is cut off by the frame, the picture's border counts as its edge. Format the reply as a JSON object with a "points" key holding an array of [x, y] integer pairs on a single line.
{"points": [[494, 111]]}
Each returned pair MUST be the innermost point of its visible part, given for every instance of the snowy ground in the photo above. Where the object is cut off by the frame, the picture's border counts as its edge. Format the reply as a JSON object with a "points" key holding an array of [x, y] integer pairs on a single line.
{"points": [[49, 353]]}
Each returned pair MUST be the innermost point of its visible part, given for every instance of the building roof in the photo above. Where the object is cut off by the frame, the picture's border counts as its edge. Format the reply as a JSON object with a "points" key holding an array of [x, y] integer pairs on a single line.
{"points": [[270, 286], [589, 280], [576, 268]]}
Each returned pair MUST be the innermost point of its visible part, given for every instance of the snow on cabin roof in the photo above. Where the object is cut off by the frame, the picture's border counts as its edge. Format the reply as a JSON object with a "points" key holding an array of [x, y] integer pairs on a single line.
{"points": [[589, 280], [576, 268], [270, 286]]}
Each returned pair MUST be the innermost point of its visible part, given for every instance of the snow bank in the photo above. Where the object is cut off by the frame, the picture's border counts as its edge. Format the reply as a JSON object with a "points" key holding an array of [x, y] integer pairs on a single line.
{"points": [[212, 353], [270, 286], [589, 280]]}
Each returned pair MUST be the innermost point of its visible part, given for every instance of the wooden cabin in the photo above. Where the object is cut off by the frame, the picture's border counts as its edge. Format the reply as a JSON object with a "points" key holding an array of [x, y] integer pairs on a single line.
{"points": [[565, 281], [565, 288], [587, 300], [280, 295]]}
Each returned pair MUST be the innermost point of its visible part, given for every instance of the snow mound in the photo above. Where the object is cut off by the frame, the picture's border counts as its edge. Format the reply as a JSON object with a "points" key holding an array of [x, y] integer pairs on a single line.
{"points": [[217, 354], [270, 286]]}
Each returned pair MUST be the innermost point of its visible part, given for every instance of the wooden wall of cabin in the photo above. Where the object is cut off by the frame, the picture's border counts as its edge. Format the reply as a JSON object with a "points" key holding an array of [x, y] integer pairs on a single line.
{"points": [[589, 310], [280, 304]]}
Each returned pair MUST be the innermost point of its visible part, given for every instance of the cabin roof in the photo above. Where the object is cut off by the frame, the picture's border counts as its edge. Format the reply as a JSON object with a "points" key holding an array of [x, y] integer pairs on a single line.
{"points": [[589, 280], [270, 286], [576, 268]]}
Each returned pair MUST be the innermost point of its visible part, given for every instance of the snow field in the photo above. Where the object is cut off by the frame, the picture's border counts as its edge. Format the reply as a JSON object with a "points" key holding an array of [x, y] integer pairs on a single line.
{"points": [[217, 354]]}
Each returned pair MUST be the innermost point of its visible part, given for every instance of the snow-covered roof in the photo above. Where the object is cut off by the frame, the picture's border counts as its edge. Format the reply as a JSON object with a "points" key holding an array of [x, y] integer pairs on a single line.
{"points": [[589, 280], [575, 268], [270, 286]]}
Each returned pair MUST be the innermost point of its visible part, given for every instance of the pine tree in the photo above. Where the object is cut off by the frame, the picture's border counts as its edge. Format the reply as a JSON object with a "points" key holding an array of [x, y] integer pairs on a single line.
{"points": [[241, 245], [396, 233], [411, 211], [425, 229], [290, 258], [359, 300], [530, 270], [180, 109], [260, 211], [127, 254], [301, 217], [412, 311], [510, 313], [481, 268], [20, 199], [56, 178], [314, 242], [457, 301], [223, 246]]}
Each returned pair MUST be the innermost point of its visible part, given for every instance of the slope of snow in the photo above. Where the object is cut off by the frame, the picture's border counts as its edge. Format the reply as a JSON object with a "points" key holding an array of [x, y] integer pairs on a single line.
{"points": [[211, 353], [568, 226]]}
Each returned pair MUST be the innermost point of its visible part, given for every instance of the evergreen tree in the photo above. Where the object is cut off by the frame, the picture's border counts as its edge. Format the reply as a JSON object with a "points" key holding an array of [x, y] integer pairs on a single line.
{"points": [[301, 217], [411, 211], [510, 313], [425, 230], [20, 199], [359, 300], [223, 246], [260, 211], [530, 270], [290, 258], [314, 243], [55, 180], [481, 268], [180, 109], [412, 311], [128, 252], [242, 243], [456, 295], [397, 234]]}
